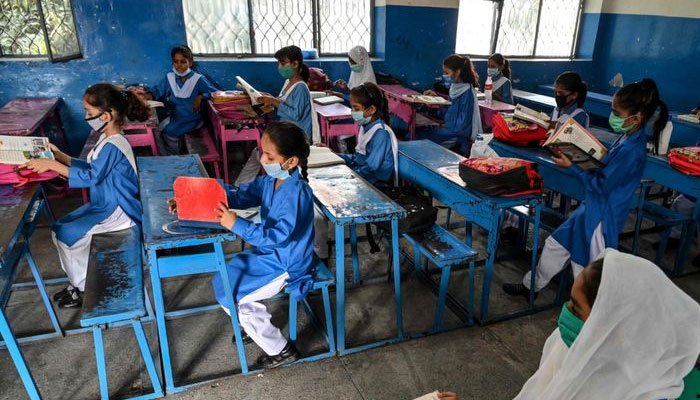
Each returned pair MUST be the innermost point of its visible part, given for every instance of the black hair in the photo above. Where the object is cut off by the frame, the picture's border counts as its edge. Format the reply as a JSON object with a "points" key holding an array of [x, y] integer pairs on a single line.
{"points": [[291, 54], [368, 94], [572, 82], [184, 50], [463, 64], [107, 98], [643, 97], [290, 141], [503, 62], [591, 283]]}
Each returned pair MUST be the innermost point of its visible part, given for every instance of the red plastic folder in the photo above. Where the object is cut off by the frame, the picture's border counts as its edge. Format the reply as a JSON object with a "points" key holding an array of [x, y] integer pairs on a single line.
{"points": [[197, 199]]}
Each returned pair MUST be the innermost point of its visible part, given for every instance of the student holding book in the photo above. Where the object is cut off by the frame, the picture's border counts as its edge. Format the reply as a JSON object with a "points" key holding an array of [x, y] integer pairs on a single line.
{"points": [[638, 115], [570, 95], [110, 174], [500, 73]]}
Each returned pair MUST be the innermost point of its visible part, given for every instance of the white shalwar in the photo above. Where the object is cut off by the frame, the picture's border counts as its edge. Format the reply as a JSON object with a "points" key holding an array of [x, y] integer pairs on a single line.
{"points": [[640, 340], [255, 320], [555, 257]]}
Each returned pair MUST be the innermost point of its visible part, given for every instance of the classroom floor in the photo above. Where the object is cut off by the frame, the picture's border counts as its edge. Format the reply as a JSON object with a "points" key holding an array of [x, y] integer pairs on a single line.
{"points": [[479, 362]]}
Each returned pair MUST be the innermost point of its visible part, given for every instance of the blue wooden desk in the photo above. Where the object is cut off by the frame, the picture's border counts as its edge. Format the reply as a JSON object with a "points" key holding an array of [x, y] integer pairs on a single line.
{"points": [[347, 199], [435, 169], [156, 177], [535, 101], [684, 133]]}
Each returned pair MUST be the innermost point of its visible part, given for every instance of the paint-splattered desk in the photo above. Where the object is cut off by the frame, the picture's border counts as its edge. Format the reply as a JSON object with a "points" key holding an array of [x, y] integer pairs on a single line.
{"points": [[26, 117]]}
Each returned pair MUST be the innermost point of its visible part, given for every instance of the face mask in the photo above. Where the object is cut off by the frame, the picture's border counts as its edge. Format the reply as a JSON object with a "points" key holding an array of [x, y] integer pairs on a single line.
{"points": [[287, 71], [181, 74], [569, 325], [356, 67], [96, 123], [447, 79], [276, 171], [359, 117], [616, 123], [561, 101], [492, 71]]}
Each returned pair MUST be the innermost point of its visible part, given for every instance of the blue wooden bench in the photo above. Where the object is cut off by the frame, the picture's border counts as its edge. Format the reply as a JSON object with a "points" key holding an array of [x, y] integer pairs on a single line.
{"points": [[114, 293], [444, 250], [323, 279]]}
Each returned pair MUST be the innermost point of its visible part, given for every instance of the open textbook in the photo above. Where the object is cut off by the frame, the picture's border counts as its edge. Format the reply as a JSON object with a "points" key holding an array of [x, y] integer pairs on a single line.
{"points": [[425, 99], [17, 150], [528, 114], [578, 144], [250, 91], [323, 157]]}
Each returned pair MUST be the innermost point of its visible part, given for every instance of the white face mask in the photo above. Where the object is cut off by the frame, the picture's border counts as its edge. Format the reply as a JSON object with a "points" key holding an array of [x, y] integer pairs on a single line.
{"points": [[96, 123], [181, 74]]}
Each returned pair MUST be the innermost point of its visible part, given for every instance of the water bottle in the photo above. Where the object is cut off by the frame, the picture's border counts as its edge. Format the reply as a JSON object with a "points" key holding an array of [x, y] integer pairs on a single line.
{"points": [[488, 89]]}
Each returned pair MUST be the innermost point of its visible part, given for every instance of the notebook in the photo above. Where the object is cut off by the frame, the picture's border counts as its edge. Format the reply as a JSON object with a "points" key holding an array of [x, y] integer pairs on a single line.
{"points": [[197, 201], [578, 144], [421, 98], [326, 100], [323, 157]]}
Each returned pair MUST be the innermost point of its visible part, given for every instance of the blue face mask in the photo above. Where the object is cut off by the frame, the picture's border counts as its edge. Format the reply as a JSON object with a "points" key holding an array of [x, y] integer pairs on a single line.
{"points": [[359, 117], [276, 171], [447, 79], [492, 71]]}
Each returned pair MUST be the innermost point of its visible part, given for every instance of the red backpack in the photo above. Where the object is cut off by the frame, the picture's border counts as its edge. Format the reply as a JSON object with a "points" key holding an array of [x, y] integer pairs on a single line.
{"points": [[516, 132], [318, 80], [500, 176], [12, 175], [686, 160]]}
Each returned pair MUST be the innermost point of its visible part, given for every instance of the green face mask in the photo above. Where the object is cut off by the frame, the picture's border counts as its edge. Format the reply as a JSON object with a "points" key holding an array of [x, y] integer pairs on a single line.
{"points": [[287, 71], [616, 123], [569, 325], [356, 67]]}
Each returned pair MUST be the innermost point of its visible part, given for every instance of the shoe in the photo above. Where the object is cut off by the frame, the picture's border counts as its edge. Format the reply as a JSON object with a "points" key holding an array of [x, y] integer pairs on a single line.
{"points": [[65, 292], [244, 337], [672, 243], [73, 300], [288, 355], [518, 289]]}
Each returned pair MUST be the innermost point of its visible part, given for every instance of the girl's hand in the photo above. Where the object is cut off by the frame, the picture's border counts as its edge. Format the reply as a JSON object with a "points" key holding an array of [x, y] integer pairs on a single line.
{"points": [[197, 103], [40, 165], [141, 93], [54, 149], [447, 396], [430, 93], [562, 160], [226, 217], [341, 84], [172, 206], [269, 100]]}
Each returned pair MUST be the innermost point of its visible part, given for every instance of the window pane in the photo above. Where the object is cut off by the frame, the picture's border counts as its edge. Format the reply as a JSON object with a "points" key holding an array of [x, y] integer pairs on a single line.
{"points": [[557, 27], [217, 26], [280, 23], [60, 27], [344, 25], [475, 27], [20, 28], [516, 36]]}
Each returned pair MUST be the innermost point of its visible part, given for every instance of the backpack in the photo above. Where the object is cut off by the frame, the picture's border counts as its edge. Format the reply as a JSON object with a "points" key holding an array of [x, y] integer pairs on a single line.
{"points": [[12, 175], [519, 133], [318, 80], [420, 213], [685, 160], [500, 176]]}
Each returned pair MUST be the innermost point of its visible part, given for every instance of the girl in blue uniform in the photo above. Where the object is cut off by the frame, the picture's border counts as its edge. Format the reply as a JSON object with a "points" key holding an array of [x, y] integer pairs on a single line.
{"points": [[185, 89], [500, 73], [282, 242], [570, 94], [638, 115], [462, 121], [109, 172]]}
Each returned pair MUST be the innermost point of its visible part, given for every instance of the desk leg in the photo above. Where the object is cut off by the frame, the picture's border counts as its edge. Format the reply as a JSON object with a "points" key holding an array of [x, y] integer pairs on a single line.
{"points": [[491, 249], [355, 258], [17, 358], [42, 291], [412, 124], [152, 141], [685, 244], [228, 289], [340, 286], [535, 247], [224, 154], [160, 321], [325, 129], [397, 276]]}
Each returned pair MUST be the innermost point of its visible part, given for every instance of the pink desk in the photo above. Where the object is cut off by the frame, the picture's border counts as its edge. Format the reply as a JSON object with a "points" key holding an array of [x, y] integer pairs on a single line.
{"points": [[403, 108], [327, 114], [26, 117], [142, 134], [488, 109], [233, 130]]}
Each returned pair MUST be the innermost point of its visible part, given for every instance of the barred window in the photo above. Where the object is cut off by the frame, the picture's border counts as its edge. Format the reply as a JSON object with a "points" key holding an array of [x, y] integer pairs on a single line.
{"points": [[261, 27], [519, 28], [38, 28]]}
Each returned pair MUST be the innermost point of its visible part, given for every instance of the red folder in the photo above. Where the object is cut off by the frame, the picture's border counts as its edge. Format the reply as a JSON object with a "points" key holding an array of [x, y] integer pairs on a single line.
{"points": [[197, 199]]}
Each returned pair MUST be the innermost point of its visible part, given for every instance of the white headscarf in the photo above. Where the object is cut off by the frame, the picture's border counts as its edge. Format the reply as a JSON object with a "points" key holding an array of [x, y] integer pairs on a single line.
{"points": [[361, 57], [639, 342]]}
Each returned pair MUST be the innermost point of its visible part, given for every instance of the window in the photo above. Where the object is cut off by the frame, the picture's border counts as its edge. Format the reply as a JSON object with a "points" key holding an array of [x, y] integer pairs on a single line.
{"points": [[38, 28], [518, 28], [225, 27]]}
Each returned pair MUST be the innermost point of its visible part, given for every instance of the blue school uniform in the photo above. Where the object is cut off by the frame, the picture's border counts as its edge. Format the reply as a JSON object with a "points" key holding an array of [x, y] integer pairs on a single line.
{"points": [[282, 241], [505, 91], [295, 106], [562, 116], [609, 193], [182, 95], [113, 183], [457, 129], [377, 165]]}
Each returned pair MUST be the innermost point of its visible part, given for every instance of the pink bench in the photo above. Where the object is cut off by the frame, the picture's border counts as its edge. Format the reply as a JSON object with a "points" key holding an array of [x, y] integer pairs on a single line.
{"points": [[201, 143], [405, 109], [329, 115], [142, 134]]}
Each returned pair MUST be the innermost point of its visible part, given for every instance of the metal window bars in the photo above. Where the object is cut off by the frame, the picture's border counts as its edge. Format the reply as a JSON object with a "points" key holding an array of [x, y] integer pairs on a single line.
{"points": [[260, 27], [38, 28]]}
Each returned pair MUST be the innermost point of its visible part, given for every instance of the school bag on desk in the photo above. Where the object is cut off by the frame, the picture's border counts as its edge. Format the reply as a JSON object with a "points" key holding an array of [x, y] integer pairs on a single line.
{"points": [[508, 129], [501, 176], [685, 160], [319, 80], [13, 175]]}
